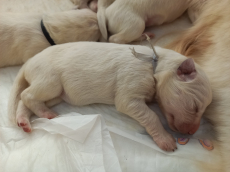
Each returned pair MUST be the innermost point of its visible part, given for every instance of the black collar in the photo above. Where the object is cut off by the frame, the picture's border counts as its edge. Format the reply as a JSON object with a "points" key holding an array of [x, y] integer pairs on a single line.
{"points": [[46, 34]]}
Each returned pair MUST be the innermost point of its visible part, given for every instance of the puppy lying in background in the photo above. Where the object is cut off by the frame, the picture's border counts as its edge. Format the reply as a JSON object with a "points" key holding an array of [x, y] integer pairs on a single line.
{"points": [[22, 37], [85, 73], [126, 20], [91, 4]]}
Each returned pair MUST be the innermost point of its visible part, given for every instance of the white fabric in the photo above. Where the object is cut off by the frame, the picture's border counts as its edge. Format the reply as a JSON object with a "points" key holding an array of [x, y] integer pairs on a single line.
{"points": [[67, 143]]}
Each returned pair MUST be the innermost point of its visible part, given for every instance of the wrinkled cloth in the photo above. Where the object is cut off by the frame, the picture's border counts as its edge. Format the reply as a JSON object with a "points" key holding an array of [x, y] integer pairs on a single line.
{"points": [[66, 143]]}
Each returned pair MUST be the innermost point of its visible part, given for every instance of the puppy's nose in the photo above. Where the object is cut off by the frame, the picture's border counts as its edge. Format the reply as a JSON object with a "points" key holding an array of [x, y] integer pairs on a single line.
{"points": [[188, 128], [191, 132], [194, 129]]}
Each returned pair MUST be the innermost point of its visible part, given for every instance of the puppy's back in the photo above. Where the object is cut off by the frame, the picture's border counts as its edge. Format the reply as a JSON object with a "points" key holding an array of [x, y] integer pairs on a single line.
{"points": [[95, 72], [72, 26], [20, 38]]}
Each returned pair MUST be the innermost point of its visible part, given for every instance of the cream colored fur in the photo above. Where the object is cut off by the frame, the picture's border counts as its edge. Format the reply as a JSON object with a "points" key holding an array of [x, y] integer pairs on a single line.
{"points": [[208, 42], [35, 6], [85, 73], [22, 37], [195, 9], [81, 3], [126, 20]]}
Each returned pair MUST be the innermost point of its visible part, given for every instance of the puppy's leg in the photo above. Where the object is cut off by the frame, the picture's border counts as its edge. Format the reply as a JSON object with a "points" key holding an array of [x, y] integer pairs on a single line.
{"points": [[35, 96], [131, 31], [23, 113], [148, 119], [53, 102], [22, 117]]}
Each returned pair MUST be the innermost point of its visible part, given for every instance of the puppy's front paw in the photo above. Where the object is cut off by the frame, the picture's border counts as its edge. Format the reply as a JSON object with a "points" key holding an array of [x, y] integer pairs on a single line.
{"points": [[166, 142]]}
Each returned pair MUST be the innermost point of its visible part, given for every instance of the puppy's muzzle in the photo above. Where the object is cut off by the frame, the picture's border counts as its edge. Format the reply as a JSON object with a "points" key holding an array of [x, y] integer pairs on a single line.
{"points": [[186, 128]]}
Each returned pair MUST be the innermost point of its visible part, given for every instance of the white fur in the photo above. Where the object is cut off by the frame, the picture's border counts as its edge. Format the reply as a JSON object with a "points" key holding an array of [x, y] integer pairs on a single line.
{"points": [[22, 37], [126, 20], [35, 6], [85, 73]]}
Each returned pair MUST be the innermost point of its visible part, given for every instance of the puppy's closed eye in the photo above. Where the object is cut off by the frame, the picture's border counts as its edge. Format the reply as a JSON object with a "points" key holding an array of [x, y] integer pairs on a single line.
{"points": [[196, 110]]}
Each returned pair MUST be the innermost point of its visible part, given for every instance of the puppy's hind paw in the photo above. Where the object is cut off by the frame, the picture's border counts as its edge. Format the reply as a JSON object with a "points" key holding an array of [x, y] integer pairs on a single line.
{"points": [[49, 115], [24, 124]]}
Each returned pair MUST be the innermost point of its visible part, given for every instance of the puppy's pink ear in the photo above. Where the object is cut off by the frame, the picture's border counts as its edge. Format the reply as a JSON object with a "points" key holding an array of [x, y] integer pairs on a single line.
{"points": [[187, 70]]}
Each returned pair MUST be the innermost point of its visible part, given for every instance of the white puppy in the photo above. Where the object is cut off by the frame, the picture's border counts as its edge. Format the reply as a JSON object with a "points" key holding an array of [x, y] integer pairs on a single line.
{"points": [[126, 20], [85, 73], [22, 36]]}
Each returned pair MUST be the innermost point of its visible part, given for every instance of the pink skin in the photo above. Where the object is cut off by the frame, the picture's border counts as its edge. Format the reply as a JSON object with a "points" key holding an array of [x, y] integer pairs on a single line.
{"points": [[24, 124], [154, 21], [93, 5], [48, 114]]}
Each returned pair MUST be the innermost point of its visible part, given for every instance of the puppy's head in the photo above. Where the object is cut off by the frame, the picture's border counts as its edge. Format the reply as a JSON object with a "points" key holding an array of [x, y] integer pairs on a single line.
{"points": [[72, 26], [183, 91]]}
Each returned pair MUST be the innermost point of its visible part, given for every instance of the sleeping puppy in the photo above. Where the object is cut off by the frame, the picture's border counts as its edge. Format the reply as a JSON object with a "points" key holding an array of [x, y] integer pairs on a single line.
{"points": [[85, 73], [22, 36], [126, 20]]}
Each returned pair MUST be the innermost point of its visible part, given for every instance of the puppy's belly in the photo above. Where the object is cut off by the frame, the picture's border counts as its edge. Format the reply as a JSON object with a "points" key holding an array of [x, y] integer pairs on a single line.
{"points": [[154, 20], [85, 98]]}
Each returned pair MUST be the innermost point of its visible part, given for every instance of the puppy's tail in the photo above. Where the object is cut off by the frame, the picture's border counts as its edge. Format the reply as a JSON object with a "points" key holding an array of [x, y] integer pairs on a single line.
{"points": [[102, 19], [19, 85]]}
